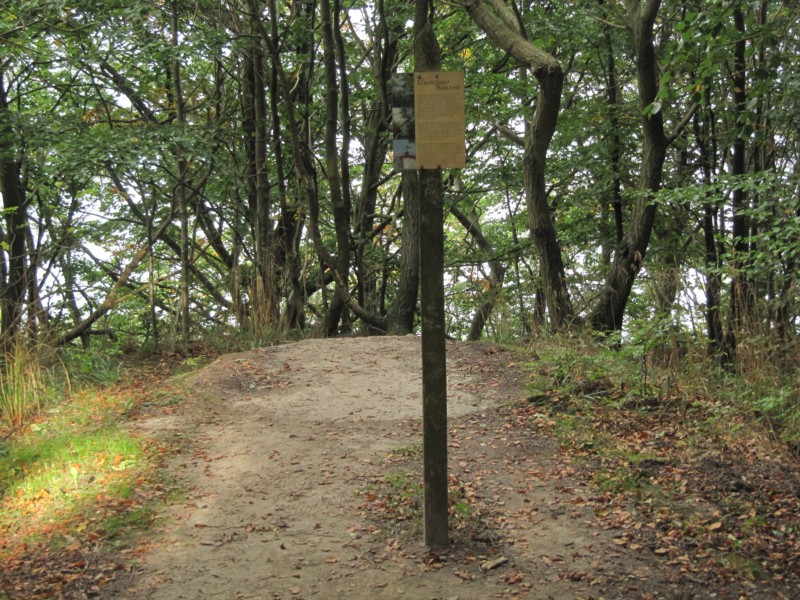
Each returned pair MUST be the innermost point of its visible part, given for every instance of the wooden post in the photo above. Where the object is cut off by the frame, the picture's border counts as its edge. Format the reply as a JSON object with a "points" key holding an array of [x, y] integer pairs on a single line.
{"points": [[427, 57]]}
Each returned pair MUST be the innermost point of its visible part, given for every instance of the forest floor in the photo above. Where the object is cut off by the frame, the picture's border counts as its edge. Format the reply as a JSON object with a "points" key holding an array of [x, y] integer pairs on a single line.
{"points": [[300, 470]]}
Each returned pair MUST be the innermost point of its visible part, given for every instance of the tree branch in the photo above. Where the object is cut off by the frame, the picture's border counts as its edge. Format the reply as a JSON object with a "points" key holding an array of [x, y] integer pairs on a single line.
{"points": [[508, 36], [113, 298], [510, 135], [678, 129]]}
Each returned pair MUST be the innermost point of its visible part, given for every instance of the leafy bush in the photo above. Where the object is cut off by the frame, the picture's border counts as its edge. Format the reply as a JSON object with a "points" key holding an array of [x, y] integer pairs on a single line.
{"points": [[92, 367]]}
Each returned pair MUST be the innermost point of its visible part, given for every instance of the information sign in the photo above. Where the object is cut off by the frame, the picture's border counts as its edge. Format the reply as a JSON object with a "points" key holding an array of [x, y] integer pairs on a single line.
{"points": [[439, 120], [428, 120]]}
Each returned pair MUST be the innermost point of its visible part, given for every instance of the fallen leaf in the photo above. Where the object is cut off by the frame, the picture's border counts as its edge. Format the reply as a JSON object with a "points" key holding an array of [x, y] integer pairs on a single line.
{"points": [[514, 579]]}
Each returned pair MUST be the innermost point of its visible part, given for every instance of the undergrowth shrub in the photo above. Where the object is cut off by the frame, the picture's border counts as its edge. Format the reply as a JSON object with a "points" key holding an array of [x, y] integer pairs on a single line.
{"points": [[101, 366], [767, 381], [609, 371], [656, 368]]}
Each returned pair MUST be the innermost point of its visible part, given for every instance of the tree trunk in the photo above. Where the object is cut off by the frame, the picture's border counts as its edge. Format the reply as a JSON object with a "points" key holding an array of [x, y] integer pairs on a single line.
{"points": [[375, 144], [741, 300], [180, 188], [12, 293], [608, 313], [496, 268], [615, 155], [400, 316], [290, 227], [540, 223], [712, 255], [340, 208], [113, 298], [494, 17]]}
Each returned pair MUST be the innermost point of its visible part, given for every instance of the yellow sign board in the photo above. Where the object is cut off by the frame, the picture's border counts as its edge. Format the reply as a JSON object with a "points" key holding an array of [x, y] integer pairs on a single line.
{"points": [[439, 116]]}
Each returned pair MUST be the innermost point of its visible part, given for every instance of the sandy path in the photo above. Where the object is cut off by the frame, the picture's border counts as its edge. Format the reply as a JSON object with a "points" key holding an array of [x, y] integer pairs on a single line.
{"points": [[284, 438]]}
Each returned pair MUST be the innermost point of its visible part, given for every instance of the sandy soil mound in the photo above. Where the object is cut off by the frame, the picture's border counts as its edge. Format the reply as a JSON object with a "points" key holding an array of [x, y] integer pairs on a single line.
{"points": [[284, 441]]}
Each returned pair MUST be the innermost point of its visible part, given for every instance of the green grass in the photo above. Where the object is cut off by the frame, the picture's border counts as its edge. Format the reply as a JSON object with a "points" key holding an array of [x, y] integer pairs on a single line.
{"points": [[121, 527], [71, 479], [395, 502], [88, 368], [412, 451], [75, 472], [75, 481], [404, 497]]}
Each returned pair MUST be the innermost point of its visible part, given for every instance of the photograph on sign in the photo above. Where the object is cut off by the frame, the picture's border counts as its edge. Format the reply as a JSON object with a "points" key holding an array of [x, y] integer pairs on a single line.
{"points": [[401, 87], [439, 120]]}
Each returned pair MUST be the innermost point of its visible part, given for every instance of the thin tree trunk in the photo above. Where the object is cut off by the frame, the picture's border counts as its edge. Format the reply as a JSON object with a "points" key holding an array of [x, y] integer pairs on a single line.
{"points": [[400, 316], [612, 93], [740, 300], [267, 298], [340, 208], [712, 258], [113, 298], [497, 273], [290, 227], [375, 144], [180, 188], [151, 291]]}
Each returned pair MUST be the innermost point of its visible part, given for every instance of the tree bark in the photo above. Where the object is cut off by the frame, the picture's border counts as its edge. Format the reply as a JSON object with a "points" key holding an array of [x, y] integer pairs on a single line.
{"points": [[180, 187], [741, 296], [339, 206], [14, 286], [615, 155], [712, 257], [607, 315], [375, 143]]}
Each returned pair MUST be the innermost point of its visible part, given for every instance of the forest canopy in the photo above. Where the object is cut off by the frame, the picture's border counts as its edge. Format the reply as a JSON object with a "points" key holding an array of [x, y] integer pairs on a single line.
{"points": [[175, 169]]}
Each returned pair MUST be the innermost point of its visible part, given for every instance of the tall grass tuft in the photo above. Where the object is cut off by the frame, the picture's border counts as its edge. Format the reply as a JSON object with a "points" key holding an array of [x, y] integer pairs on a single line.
{"points": [[25, 385], [768, 372]]}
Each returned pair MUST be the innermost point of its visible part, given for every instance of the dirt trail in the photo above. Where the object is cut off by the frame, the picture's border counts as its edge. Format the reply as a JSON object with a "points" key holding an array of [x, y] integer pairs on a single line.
{"points": [[284, 438]]}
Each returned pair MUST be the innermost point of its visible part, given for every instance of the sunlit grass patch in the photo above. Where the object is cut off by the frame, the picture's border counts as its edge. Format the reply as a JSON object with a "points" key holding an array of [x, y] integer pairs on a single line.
{"points": [[67, 466], [54, 483], [76, 473], [76, 484]]}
